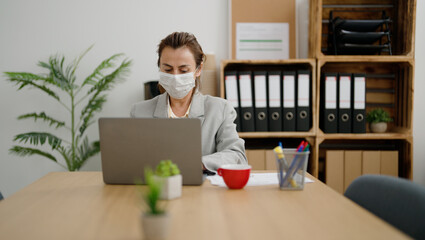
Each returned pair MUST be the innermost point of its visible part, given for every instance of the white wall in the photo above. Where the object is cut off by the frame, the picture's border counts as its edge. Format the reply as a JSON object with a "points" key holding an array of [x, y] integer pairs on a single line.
{"points": [[33, 30], [419, 98]]}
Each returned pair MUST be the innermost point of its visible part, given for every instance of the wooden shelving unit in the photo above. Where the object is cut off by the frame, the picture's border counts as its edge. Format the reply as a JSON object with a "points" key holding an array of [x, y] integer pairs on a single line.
{"points": [[390, 78], [389, 84]]}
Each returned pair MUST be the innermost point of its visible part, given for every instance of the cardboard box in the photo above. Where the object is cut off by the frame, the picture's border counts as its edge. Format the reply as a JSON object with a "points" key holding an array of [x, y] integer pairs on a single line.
{"points": [[270, 160], [209, 80], [352, 167], [335, 170], [371, 162], [389, 163], [257, 159]]}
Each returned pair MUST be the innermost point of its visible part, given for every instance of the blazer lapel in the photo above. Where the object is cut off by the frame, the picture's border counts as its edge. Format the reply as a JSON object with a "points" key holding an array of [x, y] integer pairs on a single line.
{"points": [[161, 110], [197, 108]]}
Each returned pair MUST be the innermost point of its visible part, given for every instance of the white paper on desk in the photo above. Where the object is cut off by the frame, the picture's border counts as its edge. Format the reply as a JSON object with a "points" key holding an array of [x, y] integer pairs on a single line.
{"points": [[262, 40], [256, 179]]}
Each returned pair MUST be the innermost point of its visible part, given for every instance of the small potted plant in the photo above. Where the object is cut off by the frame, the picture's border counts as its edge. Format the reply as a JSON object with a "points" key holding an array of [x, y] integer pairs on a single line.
{"points": [[378, 119], [155, 220], [169, 175]]}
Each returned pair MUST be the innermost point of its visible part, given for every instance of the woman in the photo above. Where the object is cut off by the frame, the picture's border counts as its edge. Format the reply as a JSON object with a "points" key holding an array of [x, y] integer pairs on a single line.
{"points": [[180, 61]]}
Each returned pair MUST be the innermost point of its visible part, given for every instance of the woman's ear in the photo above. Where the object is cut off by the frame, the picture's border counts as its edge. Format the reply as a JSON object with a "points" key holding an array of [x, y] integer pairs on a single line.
{"points": [[199, 71]]}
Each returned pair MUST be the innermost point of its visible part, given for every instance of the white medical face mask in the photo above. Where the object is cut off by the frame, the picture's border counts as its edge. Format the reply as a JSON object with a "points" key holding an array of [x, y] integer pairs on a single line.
{"points": [[177, 86]]}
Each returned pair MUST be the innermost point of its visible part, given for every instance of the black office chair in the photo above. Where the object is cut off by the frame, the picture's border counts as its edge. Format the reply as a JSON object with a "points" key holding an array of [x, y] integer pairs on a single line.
{"points": [[1, 197], [397, 201]]}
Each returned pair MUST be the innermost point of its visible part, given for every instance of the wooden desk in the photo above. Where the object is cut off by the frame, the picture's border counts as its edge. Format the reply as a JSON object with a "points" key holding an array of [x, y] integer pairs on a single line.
{"points": [[78, 205]]}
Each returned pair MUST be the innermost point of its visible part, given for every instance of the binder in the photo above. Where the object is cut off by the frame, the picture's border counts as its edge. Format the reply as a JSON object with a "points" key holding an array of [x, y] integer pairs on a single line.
{"points": [[344, 103], [247, 103], [359, 103], [329, 117], [303, 100], [260, 90], [275, 101], [232, 95], [289, 101]]}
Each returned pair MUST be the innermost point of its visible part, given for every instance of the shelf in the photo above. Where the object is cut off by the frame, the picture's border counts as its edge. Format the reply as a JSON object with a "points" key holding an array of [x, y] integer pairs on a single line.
{"points": [[276, 134], [364, 136], [268, 62], [363, 58]]}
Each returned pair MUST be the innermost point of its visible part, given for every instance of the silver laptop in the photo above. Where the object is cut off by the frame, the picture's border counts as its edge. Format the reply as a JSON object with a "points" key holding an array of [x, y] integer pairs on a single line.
{"points": [[128, 145]]}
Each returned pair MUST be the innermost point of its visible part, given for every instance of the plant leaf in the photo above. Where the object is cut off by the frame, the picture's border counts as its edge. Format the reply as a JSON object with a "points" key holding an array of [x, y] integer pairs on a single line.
{"points": [[87, 150], [66, 154], [106, 82], [25, 151], [152, 195], [94, 105], [29, 79], [45, 118], [36, 138], [57, 75], [96, 101], [98, 72]]}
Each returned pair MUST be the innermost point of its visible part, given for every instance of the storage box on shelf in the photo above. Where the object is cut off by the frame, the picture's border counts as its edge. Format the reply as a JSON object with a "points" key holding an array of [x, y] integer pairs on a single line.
{"points": [[380, 152], [401, 25]]}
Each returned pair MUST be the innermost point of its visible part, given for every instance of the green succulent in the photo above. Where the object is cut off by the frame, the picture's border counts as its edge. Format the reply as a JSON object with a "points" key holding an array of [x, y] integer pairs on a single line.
{"points": [[166, 168], [60, 83], [151, 194], [378, 115]]}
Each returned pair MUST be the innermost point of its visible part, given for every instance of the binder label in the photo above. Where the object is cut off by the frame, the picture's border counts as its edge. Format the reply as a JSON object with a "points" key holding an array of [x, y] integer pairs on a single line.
{"points": [[232, 91], [359, 92], [303, 90], [330, 92], [344, 92], [260, 91], [245, 90], [289, 91], [274, 91]]}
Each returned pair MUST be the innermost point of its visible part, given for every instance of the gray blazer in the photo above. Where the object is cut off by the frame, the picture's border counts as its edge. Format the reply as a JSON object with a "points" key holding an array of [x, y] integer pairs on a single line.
{"points": [[220, 141]]}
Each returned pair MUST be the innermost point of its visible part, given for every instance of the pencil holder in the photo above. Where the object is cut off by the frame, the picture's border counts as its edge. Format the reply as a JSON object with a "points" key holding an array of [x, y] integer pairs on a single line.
{"points": [[291, 168]]}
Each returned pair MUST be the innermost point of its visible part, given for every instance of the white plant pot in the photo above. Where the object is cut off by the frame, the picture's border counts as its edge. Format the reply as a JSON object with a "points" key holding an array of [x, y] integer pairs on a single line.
{"points": [[155, 227], [380, 127], [171, 187]]}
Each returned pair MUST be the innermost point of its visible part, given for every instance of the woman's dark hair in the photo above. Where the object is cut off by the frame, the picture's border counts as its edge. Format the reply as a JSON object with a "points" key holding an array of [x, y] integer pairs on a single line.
{"points": [[182, 39]]}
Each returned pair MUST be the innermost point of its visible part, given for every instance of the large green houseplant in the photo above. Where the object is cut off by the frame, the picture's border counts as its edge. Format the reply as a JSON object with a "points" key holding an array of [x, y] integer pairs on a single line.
{"points": [[60, 83]]}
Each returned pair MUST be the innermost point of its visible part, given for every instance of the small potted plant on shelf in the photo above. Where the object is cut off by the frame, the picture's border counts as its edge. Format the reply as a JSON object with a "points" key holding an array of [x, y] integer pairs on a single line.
{"points": [[155, 220], [168, 174], [378, 119]]}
